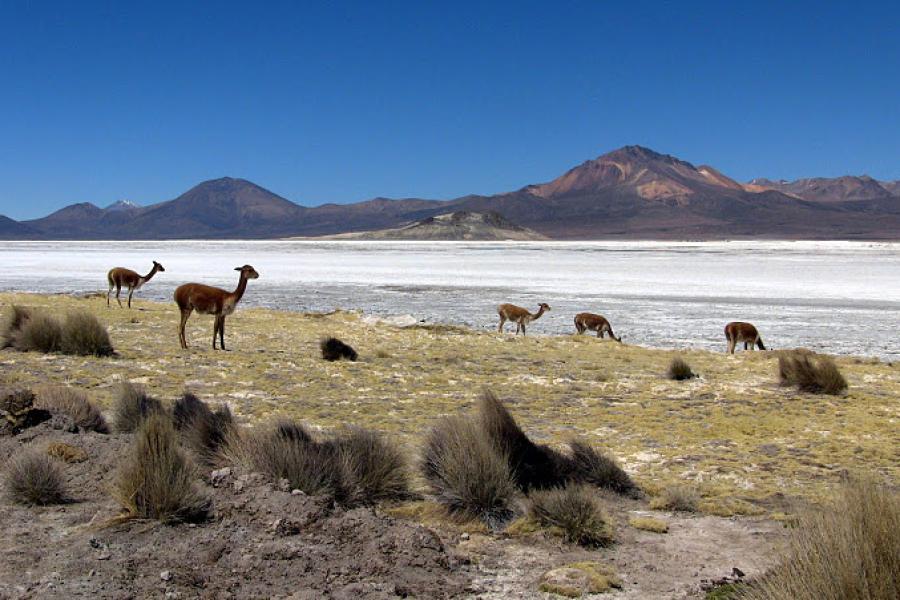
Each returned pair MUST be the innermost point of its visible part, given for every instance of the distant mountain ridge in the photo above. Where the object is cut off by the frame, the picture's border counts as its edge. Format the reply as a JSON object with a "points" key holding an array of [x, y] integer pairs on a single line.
{"points": [[629, 193], [454, 226]]}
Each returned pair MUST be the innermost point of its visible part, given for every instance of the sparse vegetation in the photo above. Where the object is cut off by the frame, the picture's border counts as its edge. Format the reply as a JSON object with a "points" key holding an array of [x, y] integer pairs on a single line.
{"points": [[156, 480], [589, 465], [132, 406], [377, 467], [574, 511], [74, 403], [334, 349], [32, 477], [849, 550], [66, 452], [649, 524], [467, 472], [677, 497], [679, 370], [811, 373], [84, 335], [40, 332], [13, 323]]}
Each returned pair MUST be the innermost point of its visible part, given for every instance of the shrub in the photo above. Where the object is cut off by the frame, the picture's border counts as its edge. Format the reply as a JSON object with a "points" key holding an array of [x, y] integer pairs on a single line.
{"points": [[13, 323], [532, 465], [811, 373], [467, 472], [679, 370], [204, 431], [32, 477], [849, 550], [677, 497], [75, 404], [38, 333], [335, 349], [66, 452], [377, 467], [575, 511], [84, 335], [287, 451], [156, 479], [132, 406], [588, 465]]}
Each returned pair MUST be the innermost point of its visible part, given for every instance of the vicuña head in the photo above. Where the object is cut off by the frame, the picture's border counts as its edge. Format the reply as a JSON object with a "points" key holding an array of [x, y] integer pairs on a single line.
{"points": [[211, 301], [519, 315], [119, 277]]}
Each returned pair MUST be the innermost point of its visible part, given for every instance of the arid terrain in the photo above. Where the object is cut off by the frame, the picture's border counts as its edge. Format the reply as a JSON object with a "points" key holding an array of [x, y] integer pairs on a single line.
{"points": [[755, 452]]}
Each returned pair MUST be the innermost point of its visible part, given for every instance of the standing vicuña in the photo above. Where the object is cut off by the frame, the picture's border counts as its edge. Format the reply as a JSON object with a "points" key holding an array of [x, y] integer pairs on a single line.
{"points": [[519, 315], [590, 322], [742, 332], [210, 300], [120, 276]]}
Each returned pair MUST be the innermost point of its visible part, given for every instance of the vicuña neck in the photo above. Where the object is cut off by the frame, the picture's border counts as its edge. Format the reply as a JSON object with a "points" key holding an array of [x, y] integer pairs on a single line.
{"points": [[150, 274], [242, 286]]}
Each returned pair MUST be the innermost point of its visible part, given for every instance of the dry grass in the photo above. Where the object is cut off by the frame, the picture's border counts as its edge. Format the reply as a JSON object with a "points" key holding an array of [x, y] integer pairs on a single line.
{"points": [[467, 472], [84, 335], [40, 332], [156, 480], [32, 477], [811, 373], [376, 466], [589, 465], [74, 403], [66, 452], [677, 497], [679, 370], [574, 511], [133, 406], [649, 524], [203, 430], [849, 550], [13, 323]]}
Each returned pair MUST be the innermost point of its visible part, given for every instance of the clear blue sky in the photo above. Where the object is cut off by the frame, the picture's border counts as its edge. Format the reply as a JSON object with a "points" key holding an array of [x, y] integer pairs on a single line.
{"points": [[101, 101]]}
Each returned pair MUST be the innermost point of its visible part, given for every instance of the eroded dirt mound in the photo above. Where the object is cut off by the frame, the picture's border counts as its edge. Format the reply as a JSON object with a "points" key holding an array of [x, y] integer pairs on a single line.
{"points": [[261, 542]]}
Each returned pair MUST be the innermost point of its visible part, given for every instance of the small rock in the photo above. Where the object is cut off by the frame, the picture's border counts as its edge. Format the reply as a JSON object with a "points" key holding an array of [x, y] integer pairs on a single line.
{"points": [[104, 555], [218, 477], [464, 536], [284, 485], [298, 493], [166, 575]]}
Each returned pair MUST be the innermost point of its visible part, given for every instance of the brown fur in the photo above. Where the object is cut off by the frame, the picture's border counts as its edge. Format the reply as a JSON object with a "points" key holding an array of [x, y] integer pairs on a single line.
{"points": [[590, 322], [519, 315], [738, 331], [210, 300], [120, 277]]}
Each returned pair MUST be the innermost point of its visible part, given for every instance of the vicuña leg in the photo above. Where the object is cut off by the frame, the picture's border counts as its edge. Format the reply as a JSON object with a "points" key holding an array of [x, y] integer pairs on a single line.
{"points": [[185, 313]]}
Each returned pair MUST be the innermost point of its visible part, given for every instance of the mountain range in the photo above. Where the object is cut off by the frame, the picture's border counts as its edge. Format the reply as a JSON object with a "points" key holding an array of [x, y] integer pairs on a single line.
{"points": [[630, 193]]}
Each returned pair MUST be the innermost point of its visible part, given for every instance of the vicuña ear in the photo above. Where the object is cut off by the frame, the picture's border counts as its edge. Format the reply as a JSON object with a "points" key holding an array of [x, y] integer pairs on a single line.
{"points": [[238, 268]]}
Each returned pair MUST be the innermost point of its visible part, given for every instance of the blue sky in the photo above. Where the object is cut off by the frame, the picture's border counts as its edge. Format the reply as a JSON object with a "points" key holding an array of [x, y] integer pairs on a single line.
{"points": [[342, 102]]}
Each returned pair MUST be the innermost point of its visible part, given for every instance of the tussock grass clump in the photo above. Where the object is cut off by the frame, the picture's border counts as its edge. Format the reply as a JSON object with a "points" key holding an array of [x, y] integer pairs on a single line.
{"points": [[469, 475], [84, 335], [287, 451], [13, 323], [678, 497], [589, 465], [376, 466], [156, 480], [203, 430], [679, 370], [811, 373], [649, 524], [575, 511], [335, 349], [132, 406], [75, 404], [66, 452], [32, 477], [40, 332], [532, 465], [849, 550]]}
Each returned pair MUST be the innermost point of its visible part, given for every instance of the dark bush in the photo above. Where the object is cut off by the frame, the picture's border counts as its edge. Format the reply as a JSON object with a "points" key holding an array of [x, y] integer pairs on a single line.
{"points": [[33, 477], [467, 472], [75, 404], [811, 373], [156, 480], [848, 550], [377, 467], [588, 465], [38, 333], [335, 349], [132, 406], [532, 465], [204, 431], [679, 370], [575, 511], [84, 335]]}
